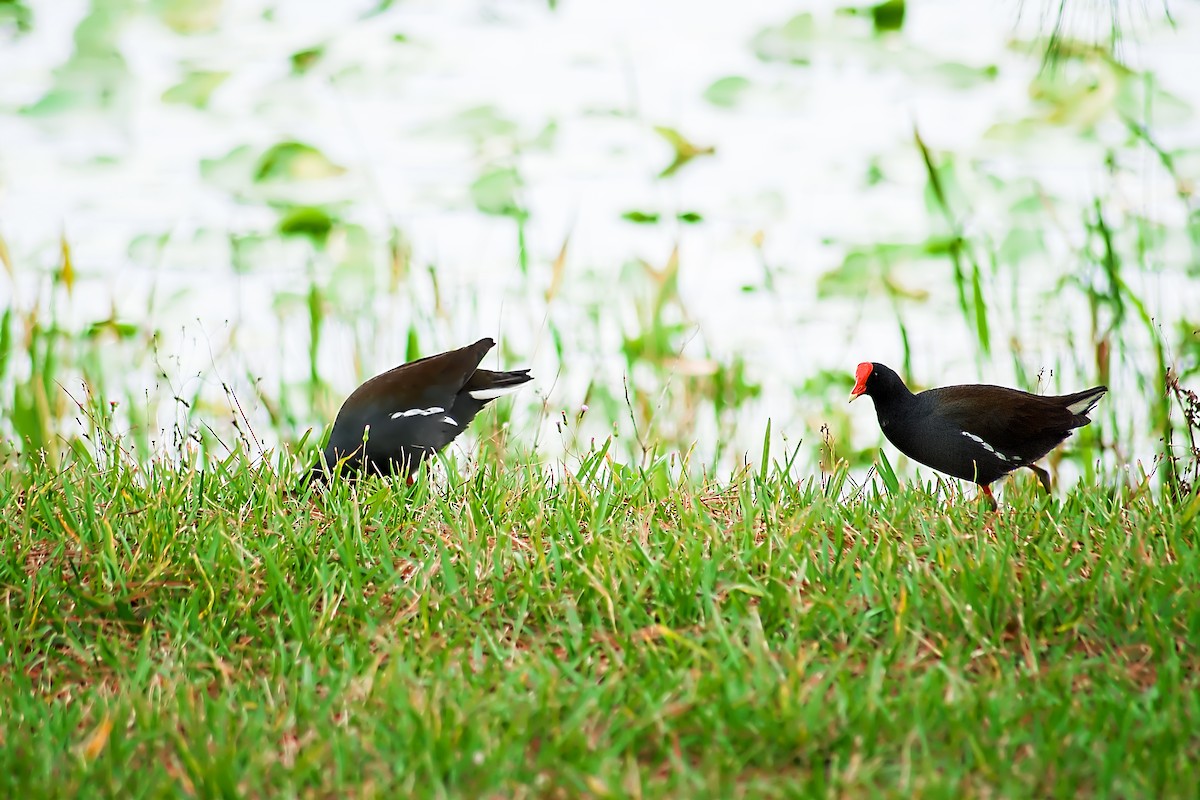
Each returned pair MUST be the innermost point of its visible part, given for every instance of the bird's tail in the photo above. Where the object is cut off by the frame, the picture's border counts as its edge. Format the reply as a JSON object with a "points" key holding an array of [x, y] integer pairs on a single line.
{"points": [[1082, 403], [487, 385]]}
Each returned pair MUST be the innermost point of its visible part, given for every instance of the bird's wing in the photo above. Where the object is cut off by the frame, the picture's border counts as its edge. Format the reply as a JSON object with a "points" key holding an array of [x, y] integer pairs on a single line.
{"points": [[430, 381], [1007, 419]]}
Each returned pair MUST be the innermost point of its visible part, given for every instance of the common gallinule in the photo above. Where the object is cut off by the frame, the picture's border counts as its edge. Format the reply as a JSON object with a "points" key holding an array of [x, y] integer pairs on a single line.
{"points": [[978, 433], [395, 420]]}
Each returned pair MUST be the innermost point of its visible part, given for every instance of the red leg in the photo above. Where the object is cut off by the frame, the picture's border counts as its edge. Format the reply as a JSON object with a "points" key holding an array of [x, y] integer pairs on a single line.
{"points": [[986, 491]]}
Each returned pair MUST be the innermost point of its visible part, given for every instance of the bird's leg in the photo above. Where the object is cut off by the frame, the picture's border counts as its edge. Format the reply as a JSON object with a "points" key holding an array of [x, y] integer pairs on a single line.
{"points": [[1042, 475], [986, 492]]}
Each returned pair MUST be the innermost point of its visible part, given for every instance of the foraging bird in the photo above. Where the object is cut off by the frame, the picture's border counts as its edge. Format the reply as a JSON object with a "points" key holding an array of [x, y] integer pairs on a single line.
{"points": [[978, 433], [395, 420]]}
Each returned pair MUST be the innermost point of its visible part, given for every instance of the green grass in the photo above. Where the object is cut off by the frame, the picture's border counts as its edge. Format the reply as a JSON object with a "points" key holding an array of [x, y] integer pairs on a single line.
{"points": [[601, 631]]}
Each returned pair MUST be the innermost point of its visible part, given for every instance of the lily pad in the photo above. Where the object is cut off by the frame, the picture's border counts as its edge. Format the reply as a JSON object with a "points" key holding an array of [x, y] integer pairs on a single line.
{"points": [[231, 171], [888, 15], [314, 223], [495, 192], [195, 89], [1019, 244], [793, 41], [640, 217], [479, 123], [304, 60], [727, 92], [16, 14], [295, 161], [869, 270], [95, 77], [250, 251], [190, 16], [964, 76]]}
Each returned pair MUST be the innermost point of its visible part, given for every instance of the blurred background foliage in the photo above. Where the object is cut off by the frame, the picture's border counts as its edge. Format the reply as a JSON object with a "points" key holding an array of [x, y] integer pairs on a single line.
{"points": [[217, 217]]}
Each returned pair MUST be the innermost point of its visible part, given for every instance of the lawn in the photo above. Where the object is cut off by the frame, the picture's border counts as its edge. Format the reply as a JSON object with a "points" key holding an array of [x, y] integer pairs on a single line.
{"points": [[689, 221], [509, 630]]}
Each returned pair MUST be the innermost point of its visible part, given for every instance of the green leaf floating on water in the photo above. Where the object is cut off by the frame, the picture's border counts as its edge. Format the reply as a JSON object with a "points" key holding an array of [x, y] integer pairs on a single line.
{"points": [[17, 14], [304, 60], [869, 270], [195, 89], [1019, 244], [727, 92], [478, 123], [963, 76], [248, 251], [96, 76], [885, 17], [230, 171], [495, 192], [189, 16], [640, 217], [315, 223], [888, 15], [793, 41], [295, 161]]}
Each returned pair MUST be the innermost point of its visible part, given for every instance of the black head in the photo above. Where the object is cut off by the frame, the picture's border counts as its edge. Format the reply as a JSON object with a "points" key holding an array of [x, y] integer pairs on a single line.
{"points": [[878, 382]]}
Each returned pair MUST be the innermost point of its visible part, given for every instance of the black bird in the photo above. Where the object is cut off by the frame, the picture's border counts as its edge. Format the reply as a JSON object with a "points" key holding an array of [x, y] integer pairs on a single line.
{"points": [[977, 433], [392, 422]]}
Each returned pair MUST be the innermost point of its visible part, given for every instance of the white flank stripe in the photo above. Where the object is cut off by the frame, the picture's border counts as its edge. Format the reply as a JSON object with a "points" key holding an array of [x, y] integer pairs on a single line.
{"points": [[491, 394], [419, 412], [450, 421], [986, 446]]}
